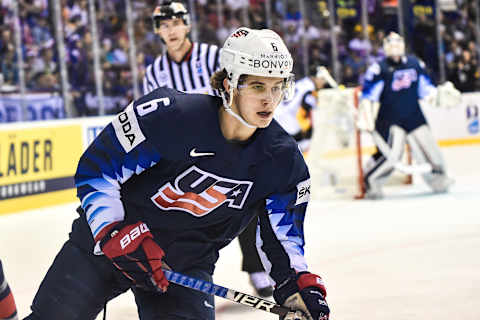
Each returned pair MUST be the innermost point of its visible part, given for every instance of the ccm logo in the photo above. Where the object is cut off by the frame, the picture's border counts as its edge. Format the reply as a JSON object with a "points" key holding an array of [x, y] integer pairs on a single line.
{"points": [[133, 234]]}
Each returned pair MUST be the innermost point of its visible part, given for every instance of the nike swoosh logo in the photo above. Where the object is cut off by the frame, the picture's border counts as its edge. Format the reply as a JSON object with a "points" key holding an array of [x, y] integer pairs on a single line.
{"points": [[194, 153], [208, 305]]}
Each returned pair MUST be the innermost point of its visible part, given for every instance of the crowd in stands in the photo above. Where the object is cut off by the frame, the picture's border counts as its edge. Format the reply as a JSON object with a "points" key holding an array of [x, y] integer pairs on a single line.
{"points": [[41, 62]]}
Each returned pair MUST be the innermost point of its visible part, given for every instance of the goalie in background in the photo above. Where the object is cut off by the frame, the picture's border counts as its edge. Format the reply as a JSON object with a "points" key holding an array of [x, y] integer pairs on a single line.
{"points": [[295, 116], [390, 105]]}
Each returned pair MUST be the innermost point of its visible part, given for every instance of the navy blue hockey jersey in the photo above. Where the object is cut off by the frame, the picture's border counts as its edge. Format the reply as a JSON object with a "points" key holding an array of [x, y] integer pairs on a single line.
{"points": [[398, 87], [164, 161]]}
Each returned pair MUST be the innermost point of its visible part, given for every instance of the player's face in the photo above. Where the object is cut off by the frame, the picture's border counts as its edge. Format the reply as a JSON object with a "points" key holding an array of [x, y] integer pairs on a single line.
{"points": [[257, 99], [173, 32]]}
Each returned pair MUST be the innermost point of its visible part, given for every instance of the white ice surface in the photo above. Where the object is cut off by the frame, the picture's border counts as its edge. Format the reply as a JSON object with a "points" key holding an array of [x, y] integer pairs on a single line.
{"points": [[413, 255]]}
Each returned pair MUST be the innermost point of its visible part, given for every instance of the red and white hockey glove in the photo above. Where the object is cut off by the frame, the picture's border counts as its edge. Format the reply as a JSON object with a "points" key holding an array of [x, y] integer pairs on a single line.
{"points": [[132, 251], [305, 293]]}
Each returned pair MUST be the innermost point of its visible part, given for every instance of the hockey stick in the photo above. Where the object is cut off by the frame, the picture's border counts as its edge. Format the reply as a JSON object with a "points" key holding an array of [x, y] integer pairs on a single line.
{"points": [[322, 72], [407, 169], [219, 291]]}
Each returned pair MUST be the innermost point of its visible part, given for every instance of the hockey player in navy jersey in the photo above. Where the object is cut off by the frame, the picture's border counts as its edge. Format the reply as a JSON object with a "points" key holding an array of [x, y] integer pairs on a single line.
{"points": [[390, 106], [173, 179], [187, 66]]}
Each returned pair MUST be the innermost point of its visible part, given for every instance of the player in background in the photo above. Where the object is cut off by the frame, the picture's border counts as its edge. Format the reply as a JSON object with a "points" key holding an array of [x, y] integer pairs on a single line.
{"points": [[187, 67], [295, 116], [173, 179], [8, 309], [390, 105]]}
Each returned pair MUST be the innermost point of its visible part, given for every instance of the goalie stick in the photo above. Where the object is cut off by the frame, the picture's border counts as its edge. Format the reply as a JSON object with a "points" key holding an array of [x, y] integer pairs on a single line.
{"points": [[219, 291], [322, 72], [407, 169]]}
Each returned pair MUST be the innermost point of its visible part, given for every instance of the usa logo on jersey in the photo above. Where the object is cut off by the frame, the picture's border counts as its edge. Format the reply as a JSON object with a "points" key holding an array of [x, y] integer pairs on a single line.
{"points": [[199, 192], [402, 79]]}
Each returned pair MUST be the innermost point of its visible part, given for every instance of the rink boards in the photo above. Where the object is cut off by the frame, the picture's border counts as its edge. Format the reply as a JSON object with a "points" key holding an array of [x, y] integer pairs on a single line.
{"points": [[38, 159]]}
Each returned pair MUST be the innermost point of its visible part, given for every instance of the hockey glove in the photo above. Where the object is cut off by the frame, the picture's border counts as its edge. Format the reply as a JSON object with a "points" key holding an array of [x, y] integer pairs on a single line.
{"points": [[306, 293], [448, 95], [445, 95], [132, 251]]}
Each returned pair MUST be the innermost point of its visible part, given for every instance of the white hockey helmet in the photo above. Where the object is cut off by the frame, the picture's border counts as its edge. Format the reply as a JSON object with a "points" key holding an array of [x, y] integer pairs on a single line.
{"points": [[394, 45], [257, 52], [170, 10]]}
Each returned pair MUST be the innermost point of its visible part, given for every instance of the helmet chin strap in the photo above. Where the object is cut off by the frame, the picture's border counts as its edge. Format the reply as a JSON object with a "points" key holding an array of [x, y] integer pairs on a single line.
{"points": [[227, 106]]}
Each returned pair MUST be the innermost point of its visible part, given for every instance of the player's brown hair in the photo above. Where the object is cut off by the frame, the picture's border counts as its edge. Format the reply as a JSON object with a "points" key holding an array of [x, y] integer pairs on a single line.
{"points": [[216, 81]]}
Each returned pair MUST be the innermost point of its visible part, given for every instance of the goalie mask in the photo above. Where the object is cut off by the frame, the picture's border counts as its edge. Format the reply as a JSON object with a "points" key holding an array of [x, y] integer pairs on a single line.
{"points": [[170, 10], [259, 53], [394, 45]]}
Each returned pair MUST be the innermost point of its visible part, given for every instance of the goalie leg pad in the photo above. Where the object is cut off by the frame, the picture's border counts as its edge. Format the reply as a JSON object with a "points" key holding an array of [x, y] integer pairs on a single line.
{"points": [[425, 149], [380, 167]]}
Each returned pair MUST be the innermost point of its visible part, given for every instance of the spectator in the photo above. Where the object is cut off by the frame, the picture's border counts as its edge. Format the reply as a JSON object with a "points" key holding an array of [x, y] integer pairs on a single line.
{"points": [[376, 54], [6, 40], [44, 63], [359, 44], [8, 66], [465, 73], [41, 34], [45, 82], [424, 40], [37, 34]]}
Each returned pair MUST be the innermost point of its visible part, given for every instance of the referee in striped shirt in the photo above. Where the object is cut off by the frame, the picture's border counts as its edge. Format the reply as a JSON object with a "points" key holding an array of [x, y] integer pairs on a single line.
{"points": [[188, 67]]}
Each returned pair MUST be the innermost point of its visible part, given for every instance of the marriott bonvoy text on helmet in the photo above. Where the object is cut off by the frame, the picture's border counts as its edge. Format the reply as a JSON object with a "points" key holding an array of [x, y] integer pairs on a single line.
{"points": [[273, 60]]}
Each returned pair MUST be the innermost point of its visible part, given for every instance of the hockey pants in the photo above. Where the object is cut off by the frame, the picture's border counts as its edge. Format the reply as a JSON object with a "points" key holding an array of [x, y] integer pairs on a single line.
{"points": [[250, 261]]}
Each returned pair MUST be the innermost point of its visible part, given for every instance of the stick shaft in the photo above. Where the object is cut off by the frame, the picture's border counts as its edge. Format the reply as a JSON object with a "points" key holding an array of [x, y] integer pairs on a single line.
{"points": [[219, 291]]}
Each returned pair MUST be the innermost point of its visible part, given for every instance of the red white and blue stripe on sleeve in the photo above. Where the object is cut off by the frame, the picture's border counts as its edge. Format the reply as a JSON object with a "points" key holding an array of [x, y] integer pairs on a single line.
{"points": [[425, 86], [374, 84], [106, 165], [280, 236]]}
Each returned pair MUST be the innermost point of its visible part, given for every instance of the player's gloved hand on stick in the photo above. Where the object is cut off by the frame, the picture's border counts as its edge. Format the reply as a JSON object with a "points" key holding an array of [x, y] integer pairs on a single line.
{"points": [[305, 293], [132, 250]]}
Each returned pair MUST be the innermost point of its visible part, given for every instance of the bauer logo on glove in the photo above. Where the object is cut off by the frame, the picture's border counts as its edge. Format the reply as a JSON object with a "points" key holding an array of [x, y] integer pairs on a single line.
{"points": [[132, 251], [134, 233]]}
